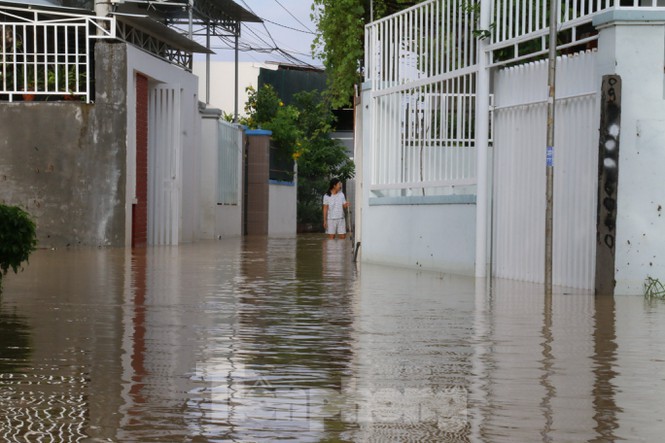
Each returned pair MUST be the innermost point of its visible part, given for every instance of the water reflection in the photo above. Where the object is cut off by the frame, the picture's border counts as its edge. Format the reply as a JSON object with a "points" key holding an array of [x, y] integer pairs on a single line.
{"points": [[289, 343], [604, 360], [264, 339], [14, 341]]}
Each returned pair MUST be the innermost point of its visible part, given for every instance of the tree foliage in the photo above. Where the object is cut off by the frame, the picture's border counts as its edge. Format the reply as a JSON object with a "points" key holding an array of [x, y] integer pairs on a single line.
{"points": [[302, 130], [320, 157], [340, 39], [265, 110], [17, 238]]}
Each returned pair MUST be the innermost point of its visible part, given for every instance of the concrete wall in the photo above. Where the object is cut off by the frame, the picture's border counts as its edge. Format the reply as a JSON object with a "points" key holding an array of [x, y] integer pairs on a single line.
{"points": [[73, 165], [640, 223], [439, 237], [64, 162], [282, 220]]}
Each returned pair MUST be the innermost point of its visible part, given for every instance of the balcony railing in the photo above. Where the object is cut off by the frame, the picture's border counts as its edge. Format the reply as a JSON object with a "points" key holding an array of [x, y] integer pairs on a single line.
{"points": [[47, 54]]}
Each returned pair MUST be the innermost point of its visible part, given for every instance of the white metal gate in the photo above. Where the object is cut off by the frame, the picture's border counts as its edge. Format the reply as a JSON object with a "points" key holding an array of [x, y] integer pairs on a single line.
{"points": [[164, 165], [422, 65], [520, 120]]}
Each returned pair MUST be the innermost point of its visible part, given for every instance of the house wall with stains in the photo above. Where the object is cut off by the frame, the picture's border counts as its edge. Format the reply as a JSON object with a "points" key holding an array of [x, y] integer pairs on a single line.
{"points": [[64, 162], [640, 197]]}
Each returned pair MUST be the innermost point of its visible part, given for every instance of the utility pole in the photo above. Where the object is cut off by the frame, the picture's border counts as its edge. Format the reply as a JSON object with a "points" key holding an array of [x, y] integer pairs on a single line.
{"points": [[549, 191]]}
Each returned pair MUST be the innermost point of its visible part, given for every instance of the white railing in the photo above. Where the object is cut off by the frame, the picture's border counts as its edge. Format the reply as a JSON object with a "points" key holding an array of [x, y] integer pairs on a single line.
{"points": [[48, 55], [422, 66], [519, 28], [424, 138], [426, 43]]}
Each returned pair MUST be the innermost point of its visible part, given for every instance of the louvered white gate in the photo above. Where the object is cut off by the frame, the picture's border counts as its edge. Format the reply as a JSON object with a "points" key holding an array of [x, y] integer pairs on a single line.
{"points": [[164, 165], [520, 119]]}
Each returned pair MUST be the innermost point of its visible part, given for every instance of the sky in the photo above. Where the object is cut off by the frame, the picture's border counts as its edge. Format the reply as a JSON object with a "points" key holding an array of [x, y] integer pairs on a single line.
{"points": [[287, 26]]}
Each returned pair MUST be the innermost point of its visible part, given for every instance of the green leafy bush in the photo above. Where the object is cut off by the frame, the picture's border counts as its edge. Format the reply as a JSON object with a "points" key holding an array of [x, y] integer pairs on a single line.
{"points": [[17, 238]]}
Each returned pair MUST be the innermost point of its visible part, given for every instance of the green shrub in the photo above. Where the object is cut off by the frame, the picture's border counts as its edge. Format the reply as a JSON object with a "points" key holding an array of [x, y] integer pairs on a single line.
{"points": [[17, 238]]}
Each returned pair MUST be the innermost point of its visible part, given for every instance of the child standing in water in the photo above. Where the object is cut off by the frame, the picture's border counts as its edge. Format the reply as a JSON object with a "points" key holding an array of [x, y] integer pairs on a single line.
{"points": [[334, 204]]}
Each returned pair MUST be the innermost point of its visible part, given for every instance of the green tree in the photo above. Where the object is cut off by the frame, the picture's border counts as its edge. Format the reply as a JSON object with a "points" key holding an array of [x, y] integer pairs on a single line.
{"points": [[302, 131], [340, 38], [319, 156], [265, 110], [17, 238]]}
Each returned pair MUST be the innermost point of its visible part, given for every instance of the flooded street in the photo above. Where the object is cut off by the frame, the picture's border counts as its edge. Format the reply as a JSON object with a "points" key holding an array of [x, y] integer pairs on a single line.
{"points": [[255, 339]]}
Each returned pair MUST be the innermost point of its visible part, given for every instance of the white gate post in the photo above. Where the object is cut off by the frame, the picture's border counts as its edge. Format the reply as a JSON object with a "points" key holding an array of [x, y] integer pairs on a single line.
{"points": [[482, 141]]}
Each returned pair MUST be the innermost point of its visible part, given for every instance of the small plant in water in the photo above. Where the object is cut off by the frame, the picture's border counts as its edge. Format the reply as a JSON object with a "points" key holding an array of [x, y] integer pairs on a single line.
{"points": [[653, 288], [17, 238]]}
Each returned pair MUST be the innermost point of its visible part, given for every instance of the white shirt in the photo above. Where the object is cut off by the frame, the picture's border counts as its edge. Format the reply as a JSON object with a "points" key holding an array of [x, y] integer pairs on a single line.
{"points": [[335, 204]]}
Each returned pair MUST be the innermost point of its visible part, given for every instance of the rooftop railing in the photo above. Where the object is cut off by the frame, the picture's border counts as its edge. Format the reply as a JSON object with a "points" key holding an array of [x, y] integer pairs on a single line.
{"points": [[46, 55]]}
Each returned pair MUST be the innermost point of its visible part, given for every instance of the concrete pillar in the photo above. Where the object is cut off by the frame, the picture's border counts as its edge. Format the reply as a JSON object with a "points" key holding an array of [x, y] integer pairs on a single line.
{"points": [[631, 44], [258, 175]]}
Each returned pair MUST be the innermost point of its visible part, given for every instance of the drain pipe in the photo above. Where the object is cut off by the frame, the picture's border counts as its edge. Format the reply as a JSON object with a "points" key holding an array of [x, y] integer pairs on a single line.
{"points": [[482, 142]]}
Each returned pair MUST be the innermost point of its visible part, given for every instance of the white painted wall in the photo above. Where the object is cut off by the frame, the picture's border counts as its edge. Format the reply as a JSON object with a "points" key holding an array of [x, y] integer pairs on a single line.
{"points": [[222, 80], [159, 71], [282, 219], [438, 237], [228, 221], [623, 50]]}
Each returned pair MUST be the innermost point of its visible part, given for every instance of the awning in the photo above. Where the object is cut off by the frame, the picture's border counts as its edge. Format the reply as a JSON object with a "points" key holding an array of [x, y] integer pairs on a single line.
{"points": [[161, 32], [204, 10], [46, 5], [233, 10]]}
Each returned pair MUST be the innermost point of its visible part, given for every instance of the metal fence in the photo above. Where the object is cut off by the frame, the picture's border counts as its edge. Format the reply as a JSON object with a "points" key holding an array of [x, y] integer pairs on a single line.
{"points": [[519, 28], [281, 165], [422, 67], [47, 54], [229, 157], [519, 185]]}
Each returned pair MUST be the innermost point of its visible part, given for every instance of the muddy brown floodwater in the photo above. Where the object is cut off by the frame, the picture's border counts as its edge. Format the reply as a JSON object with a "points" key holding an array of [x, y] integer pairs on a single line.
{"points": [[259, 339]]}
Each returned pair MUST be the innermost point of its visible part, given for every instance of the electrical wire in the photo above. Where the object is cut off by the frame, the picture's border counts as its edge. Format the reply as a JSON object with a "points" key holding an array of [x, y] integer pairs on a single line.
{"points": [[266, 46], [296, 18], [287, 27]]}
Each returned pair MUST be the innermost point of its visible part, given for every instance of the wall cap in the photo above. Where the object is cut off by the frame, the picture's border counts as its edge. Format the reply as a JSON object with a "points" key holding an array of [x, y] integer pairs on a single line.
{"points": [[424, 200], [633, 16], [258, 132]]}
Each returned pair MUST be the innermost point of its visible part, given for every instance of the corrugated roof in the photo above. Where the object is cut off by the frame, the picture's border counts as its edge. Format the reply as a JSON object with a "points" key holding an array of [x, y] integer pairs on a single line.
{"points": [[217, 9], [161, 32], [220, 10], [235, 11], [46, 4]]}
